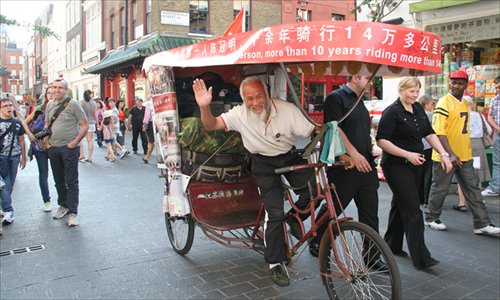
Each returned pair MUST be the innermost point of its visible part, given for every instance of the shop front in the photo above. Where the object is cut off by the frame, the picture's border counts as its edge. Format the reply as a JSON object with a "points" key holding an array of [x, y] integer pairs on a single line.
{"points": [[121, 75], [470, 36]]}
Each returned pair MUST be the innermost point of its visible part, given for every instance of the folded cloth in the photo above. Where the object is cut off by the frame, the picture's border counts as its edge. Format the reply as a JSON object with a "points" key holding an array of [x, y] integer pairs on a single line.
{"points": [[332, 145]]}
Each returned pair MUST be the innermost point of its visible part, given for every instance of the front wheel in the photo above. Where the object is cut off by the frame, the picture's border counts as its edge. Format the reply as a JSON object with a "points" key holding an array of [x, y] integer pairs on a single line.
{"points": [[180, 232], [346, 271]]}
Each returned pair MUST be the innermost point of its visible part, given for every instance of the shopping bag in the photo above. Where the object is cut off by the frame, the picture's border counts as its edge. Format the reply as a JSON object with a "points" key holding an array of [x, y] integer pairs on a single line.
{"points": [[332, 145]]}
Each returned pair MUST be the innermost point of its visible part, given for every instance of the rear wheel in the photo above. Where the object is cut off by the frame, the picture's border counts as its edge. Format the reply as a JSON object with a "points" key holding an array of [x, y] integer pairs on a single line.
{"points": [[356, 247], [180, 232]]}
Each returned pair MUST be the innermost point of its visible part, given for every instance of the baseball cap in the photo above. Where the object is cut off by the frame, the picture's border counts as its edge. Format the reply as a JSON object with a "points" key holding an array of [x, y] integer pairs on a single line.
{"points": [[460, 74]]}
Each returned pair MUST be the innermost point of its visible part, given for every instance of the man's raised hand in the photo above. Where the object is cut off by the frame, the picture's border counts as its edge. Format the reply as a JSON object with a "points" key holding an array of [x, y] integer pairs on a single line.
{"points": [[202, 95]]}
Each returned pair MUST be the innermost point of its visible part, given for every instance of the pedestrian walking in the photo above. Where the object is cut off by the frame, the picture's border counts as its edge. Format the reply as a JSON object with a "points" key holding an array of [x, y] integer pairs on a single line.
{"points": [[36, 123], [12, 154], [451, 124], [135, 118], [401, 128], [90, 108], [493, 188]]}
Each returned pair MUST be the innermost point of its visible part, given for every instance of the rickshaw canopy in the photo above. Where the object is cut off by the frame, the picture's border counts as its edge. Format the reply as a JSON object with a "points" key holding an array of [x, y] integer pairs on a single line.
{"points": [[317, 48]]}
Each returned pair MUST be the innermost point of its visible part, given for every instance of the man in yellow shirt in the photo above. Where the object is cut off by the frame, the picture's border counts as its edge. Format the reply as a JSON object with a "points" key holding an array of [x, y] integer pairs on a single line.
{"points": [[451, 124]]}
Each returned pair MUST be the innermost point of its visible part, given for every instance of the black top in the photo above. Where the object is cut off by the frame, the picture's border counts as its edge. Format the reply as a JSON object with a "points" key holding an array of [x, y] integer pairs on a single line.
{"points": [[137, 115], [404, 129], [357, 125]]}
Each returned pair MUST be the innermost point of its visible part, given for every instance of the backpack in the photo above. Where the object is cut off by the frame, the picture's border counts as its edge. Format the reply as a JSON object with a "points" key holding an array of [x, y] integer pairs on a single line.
{"points": [[38, 123]]}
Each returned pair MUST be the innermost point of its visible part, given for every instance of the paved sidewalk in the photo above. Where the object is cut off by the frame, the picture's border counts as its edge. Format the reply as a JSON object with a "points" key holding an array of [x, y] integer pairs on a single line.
{"points": [[121, 250]]}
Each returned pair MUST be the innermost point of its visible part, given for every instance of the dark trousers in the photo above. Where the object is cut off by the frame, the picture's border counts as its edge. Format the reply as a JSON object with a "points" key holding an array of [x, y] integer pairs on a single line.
{"points": [[405, 216], [64, 164], [271, 193], [42, 160], [352, 184], [136, 132], [426, 178]]}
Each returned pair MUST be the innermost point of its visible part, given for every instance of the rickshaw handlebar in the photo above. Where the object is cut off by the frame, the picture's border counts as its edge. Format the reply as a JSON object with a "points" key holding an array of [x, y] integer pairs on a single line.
{"points": [[284, 170]]}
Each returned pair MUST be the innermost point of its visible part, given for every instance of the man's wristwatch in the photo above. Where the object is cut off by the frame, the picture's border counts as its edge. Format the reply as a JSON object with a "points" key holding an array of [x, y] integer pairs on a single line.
{"points": [[444, 154]]}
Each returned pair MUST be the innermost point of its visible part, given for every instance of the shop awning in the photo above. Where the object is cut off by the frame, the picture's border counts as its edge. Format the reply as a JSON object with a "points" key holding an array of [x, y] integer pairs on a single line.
{"points": [[137, 51], [436, 4]]}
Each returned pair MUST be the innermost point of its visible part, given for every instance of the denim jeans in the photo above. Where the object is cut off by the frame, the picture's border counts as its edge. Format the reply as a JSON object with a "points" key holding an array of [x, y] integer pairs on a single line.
{"points": [[64, 164], [495, 174], [42, 160], [8, 170]]}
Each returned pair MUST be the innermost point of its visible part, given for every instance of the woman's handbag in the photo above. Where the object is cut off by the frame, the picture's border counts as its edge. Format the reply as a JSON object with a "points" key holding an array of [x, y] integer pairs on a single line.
{"points": [[487, 142]]}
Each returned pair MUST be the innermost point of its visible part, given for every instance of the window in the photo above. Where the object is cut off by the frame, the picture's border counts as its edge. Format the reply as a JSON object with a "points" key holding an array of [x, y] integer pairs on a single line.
{"points": [[13, 59], [237, 5], [13, 73], [133, 13], [198, 16], [78, 50], [122, 26], [93, 26], [68, 56], [338, 17], [303, 15], [112, 32], [13, 89], [148, 16]]}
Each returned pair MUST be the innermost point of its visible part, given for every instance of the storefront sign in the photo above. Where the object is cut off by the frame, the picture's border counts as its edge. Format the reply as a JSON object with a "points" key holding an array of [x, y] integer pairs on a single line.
{"points": [[356, 46], [174, 18], [477, 29]]}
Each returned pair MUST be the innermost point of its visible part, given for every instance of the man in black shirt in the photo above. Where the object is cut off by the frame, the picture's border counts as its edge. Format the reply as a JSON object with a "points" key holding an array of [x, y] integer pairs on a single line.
{"points": [[361, 182], [135, 117]]}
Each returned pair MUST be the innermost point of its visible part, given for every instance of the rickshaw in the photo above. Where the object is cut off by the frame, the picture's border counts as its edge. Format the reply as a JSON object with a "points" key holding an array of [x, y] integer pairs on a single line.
{"points": [[228, 209]]}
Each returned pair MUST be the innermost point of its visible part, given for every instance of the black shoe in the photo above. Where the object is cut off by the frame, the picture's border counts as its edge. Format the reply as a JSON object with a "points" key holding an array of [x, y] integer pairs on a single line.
{"points": [[314, 248], [295, 228], [429, 264], [135, 151], [401, 253], [378, 265], [279, 275]]}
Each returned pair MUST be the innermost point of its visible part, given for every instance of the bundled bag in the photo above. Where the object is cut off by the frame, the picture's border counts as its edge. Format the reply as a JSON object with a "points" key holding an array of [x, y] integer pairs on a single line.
{"points": [[333, 145], [487, 142], [198, 145]]}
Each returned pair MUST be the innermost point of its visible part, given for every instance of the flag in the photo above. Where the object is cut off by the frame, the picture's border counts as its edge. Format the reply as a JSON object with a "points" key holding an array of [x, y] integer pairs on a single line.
{"points": [[238, 24]]}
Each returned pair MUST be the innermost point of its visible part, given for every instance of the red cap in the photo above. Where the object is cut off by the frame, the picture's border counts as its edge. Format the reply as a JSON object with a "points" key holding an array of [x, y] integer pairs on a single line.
{"points": [[460, 74]]}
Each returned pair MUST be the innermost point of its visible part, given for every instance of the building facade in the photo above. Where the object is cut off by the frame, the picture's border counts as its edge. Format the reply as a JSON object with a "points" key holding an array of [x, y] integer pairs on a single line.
{"points": [[12, 62]]}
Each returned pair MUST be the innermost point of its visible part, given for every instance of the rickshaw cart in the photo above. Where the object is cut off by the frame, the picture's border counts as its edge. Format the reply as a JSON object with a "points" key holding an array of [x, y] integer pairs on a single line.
{"points": [[231, 213]]}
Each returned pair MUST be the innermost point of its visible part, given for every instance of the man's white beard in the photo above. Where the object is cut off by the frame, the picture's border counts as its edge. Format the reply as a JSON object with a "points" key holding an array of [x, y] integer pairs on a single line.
{"points": [[257, 117]]}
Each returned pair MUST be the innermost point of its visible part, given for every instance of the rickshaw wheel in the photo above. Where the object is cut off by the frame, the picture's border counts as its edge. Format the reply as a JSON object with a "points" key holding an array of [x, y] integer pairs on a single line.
{"points": [[180, 232], [356, 246]]}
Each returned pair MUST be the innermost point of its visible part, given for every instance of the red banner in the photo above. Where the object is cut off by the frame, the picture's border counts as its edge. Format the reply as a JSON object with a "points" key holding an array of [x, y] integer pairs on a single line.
{"points": [[357, 47]]}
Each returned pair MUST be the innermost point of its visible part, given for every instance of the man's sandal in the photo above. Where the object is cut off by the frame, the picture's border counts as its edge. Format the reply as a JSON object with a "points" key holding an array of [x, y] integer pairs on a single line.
{"points": [[461, 208]]}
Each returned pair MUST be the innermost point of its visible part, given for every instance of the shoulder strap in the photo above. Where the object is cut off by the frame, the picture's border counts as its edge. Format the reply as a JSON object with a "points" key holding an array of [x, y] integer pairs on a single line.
{"points": [[59, 110]]}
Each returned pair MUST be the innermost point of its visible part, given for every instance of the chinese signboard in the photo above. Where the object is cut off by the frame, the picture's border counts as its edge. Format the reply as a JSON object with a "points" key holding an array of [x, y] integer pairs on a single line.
{"points": [[174, 18], [357, 47], [468, 30]]}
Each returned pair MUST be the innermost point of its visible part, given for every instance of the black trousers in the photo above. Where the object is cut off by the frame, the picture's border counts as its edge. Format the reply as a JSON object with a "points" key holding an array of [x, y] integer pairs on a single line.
{"points": [[64, 165], [405, 216], [426, 178], [272, 194], [352, 184], [136, 132]]}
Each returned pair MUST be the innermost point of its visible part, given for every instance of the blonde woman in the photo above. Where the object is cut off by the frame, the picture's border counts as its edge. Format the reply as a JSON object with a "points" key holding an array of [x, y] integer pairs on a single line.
{"points": [[401, 128]]}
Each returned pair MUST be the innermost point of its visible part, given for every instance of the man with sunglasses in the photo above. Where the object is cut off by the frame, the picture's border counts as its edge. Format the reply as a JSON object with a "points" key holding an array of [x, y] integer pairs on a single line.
{"points": [[68, 129]]}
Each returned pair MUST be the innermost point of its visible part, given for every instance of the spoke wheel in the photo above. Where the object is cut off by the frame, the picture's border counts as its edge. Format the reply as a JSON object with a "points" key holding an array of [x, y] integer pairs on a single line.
{"points": [[349, 276], [180, 232]]}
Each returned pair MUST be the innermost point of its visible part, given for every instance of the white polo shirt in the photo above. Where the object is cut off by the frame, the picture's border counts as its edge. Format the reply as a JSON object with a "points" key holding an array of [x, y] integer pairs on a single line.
{"points": [[275, 137]]}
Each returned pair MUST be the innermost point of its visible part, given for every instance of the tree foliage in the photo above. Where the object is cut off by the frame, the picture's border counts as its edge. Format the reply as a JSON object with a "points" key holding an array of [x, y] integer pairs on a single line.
{"points": [[378, 8], [41, 30]]}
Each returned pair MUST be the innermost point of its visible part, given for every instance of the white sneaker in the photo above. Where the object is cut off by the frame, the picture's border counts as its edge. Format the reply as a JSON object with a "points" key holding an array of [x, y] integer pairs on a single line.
{"points": [[72, 221], [47, 207], [125, 153], [436, 225], [489, 193], [60, 212], [490, 229], [8, 217]]}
